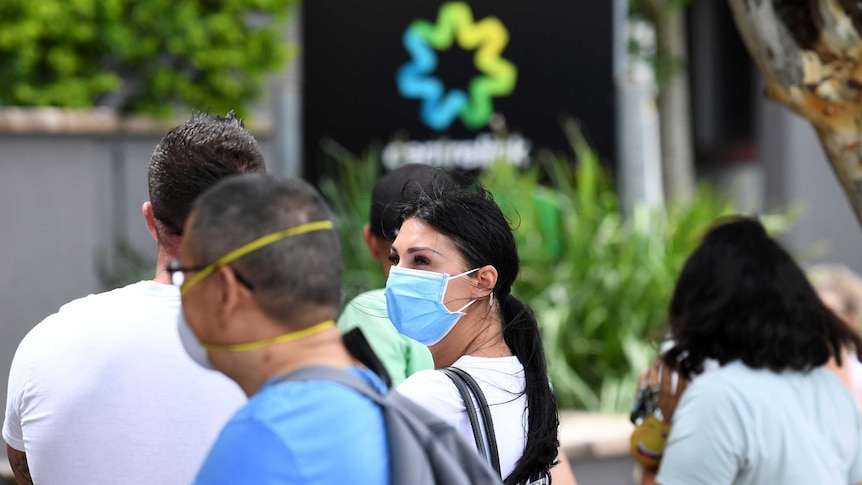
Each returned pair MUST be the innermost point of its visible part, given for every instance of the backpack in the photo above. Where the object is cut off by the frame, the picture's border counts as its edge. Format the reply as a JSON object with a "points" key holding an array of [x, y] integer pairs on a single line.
{"points": [[423, 449]]}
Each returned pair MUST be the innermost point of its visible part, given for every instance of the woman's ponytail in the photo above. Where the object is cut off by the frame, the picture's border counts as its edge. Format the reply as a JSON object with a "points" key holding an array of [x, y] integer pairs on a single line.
{"points": [[521, 333]]}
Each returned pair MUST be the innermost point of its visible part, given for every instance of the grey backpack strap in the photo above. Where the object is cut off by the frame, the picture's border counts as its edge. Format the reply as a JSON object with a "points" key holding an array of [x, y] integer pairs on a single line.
{"points": [[323, 373], [466, 380]]}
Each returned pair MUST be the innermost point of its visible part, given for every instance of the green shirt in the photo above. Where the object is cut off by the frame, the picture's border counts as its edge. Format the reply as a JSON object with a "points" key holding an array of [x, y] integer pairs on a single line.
{"points": [[402, 356]]}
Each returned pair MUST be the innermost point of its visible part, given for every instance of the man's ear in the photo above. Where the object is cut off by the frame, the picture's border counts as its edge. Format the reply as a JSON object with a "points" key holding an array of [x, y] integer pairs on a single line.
{"points": [[486, 281], [150, 218], [233, 295], [379, 248], [370, 240]]}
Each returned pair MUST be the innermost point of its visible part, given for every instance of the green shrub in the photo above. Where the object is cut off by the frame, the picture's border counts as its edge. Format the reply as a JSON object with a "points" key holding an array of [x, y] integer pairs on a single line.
{"points": [[139, 56], [598, 282], [349, 195]]}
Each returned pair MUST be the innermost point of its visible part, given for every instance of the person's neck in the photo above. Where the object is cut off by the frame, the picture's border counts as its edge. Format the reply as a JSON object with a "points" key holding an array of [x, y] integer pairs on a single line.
{"points": [[162, 260], [487, 331], [482, 336], [325, 348]]}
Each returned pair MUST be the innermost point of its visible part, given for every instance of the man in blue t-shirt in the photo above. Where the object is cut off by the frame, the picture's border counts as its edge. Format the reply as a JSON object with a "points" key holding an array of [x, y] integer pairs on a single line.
{"points": [[259, 270]]}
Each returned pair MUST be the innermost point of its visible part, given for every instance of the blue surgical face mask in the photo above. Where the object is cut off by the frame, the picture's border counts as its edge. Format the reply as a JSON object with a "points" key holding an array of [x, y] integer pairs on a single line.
{"points": [[414, 300]]}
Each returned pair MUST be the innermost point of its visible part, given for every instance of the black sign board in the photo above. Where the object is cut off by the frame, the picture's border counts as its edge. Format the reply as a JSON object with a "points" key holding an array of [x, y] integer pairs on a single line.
{"points": [[430, 81]]}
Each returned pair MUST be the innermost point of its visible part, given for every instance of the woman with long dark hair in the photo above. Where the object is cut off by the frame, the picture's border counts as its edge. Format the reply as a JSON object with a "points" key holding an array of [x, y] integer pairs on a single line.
{"points": [[772, 412], [454, 261]]}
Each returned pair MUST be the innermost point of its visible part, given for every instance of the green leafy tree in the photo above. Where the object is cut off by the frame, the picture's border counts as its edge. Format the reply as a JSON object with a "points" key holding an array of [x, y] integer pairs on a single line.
{"points": [[139, 56]]}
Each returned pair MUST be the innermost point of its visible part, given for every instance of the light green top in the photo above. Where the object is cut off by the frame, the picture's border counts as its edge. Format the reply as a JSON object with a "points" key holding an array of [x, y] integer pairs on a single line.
{"points": [[402, 356]]}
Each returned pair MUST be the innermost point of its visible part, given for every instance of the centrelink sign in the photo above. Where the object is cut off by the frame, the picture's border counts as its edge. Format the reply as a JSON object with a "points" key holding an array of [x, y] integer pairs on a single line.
{"points": [[457, 83]]}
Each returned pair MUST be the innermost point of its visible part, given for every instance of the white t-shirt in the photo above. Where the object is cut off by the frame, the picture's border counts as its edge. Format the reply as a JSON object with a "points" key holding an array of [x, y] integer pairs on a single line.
{"points": [[102, 392], [501, 380], [740, 426]]}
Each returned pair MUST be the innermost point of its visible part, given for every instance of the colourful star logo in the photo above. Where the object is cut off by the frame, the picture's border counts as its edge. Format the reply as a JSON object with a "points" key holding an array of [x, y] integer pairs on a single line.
{"points": [[423, 40]]}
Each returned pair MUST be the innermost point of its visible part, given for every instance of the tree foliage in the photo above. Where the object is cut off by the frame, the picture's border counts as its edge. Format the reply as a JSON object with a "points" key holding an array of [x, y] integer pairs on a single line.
{"points": [[139, 56]]}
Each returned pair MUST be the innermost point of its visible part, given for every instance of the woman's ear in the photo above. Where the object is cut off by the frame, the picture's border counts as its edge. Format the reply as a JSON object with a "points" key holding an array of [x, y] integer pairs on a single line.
{"points": [[486, 281]]}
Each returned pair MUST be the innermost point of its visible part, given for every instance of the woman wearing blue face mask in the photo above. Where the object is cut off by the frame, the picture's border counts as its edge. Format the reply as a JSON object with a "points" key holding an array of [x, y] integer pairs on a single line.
{"points": [[454, 262]]}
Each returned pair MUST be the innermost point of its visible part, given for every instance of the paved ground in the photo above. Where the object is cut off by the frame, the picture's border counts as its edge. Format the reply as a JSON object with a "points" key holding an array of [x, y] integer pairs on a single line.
{"points": [[586, 435], [597, 446]]}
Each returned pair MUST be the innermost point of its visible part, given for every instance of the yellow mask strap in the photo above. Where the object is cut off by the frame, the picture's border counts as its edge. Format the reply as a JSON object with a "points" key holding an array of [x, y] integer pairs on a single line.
{"points": [[254, 246], [275, 340]]}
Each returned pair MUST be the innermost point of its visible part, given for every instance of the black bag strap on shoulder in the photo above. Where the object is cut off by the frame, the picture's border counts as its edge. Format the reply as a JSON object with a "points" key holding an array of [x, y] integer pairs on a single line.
{"points": [[361, 350], [478, 436], [466, 385]]}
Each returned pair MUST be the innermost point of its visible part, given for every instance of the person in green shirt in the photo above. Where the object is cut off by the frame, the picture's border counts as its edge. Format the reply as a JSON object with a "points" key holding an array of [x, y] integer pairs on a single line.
{"points": [[401, 356]]}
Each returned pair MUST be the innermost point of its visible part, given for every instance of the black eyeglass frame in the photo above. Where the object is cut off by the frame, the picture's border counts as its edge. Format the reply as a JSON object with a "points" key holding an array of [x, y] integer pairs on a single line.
{"points": [[174, 267]]}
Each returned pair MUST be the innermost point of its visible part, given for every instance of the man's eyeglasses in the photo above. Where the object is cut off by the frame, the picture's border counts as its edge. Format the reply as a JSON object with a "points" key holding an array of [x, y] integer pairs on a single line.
{"points": [[178, 274]]}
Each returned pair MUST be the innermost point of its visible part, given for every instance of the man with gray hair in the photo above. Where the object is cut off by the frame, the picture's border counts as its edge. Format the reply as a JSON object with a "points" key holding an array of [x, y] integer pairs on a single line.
{"points": [[259, 271], [102, 392]]}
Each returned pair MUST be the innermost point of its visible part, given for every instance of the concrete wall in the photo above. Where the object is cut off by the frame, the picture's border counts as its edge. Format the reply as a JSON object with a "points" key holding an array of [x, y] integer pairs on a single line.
{"points": [[65, 196]]}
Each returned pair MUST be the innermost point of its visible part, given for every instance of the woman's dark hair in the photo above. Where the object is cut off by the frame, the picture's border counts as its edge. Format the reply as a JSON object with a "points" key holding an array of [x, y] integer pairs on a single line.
{"points": [[480, 231], [741, 296]]}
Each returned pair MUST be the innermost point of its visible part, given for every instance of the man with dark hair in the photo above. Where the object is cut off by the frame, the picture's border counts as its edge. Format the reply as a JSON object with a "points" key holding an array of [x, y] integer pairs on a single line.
{"points": [[191, 158], [259, 271], [400, 355], [102, 392]]}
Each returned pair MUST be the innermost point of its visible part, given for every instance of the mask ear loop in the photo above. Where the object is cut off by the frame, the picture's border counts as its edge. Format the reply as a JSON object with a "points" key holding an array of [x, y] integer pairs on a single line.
{"points": [[490, 299]]}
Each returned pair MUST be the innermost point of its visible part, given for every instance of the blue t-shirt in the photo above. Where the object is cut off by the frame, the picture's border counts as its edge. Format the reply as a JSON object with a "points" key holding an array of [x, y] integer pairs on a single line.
{"points": [[744, 426], [302, 432]]}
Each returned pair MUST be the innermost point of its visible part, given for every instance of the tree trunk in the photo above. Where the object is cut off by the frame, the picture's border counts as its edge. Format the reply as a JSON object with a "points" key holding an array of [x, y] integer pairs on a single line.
{"points": [[810, 53], [674, 105]]}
